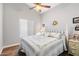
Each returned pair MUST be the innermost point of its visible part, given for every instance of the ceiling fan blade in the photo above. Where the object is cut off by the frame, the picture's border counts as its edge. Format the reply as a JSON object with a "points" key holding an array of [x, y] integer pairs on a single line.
{"points": [[32, 7], [46, 6], [42, 5], [37, 3]]}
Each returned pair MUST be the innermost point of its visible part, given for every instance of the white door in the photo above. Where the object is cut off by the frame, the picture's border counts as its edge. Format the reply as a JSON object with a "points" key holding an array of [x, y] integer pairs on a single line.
{"points": [[23, 28], [31, 27]]}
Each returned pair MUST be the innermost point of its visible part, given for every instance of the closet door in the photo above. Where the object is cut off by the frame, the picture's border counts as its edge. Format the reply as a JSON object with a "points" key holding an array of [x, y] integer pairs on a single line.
{"points": [[31, 27], [23, 27]]}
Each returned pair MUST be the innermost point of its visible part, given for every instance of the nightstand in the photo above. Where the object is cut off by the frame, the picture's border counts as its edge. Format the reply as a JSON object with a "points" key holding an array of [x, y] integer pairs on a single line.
{"points": [[73, 47]]}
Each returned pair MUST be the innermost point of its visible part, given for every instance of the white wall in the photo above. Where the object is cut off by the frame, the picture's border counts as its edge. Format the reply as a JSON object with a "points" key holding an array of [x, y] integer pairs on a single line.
{"points": [[12, 14], [1, 22], [63, 13]]}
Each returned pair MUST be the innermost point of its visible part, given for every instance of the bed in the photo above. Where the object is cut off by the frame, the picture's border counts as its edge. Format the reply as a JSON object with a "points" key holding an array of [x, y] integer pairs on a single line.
{"points": [[43, 45]]}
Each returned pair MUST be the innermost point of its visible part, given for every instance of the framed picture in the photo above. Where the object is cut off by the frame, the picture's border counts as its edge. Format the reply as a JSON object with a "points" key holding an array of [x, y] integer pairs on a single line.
{"points": [[76, 20], [77, 28]]}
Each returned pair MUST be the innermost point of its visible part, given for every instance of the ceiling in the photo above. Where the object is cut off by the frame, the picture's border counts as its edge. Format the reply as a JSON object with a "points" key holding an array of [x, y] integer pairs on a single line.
{"points": [[44, 9]]}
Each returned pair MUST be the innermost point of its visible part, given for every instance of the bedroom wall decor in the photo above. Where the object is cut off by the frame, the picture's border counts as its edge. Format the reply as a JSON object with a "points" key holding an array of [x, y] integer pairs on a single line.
{"points": [[55, 23], [76, 20], [77, 28]]}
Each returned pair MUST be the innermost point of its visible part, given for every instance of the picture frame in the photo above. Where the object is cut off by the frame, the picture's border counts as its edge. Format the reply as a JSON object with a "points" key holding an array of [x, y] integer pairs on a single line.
{"points": [[77, 28], [76, 20]]}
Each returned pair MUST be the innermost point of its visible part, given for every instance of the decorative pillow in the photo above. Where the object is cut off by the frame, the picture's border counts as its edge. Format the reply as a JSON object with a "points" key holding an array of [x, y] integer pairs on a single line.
{"points": [[55, 35], [46, 34], [58, 35], [39, 33]]}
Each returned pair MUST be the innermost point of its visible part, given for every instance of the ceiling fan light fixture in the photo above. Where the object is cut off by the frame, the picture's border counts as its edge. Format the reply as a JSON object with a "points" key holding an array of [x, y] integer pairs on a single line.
{"points": [[38, 8]]}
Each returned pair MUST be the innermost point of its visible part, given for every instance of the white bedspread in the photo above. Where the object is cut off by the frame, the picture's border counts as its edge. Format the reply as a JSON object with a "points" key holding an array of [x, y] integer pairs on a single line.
{"points": [[41, 45]]}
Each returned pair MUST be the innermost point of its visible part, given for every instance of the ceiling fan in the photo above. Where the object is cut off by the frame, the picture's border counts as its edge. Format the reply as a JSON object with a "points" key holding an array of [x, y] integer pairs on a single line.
{"points": [[39, 6]]}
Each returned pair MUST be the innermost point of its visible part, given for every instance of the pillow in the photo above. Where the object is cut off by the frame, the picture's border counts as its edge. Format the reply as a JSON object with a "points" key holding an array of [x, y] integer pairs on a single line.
{"points": [[55, 35], [58, 35], [39, 33], [46, 34], [51, 34]]}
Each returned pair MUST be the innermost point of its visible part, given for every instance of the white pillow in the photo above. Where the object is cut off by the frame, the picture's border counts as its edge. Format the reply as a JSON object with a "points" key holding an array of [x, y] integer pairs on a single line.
{"points": [[55, 35], [46, 34], [58, 35], [39, 33], [51, 34]]}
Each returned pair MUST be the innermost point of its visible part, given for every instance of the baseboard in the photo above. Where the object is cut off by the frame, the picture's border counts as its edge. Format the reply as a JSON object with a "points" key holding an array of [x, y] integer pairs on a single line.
{"points": [[11, 45]]}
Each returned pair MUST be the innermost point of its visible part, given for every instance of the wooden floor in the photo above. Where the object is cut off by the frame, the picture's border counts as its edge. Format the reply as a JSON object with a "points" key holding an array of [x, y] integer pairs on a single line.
{"points": [[11, 51]]}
